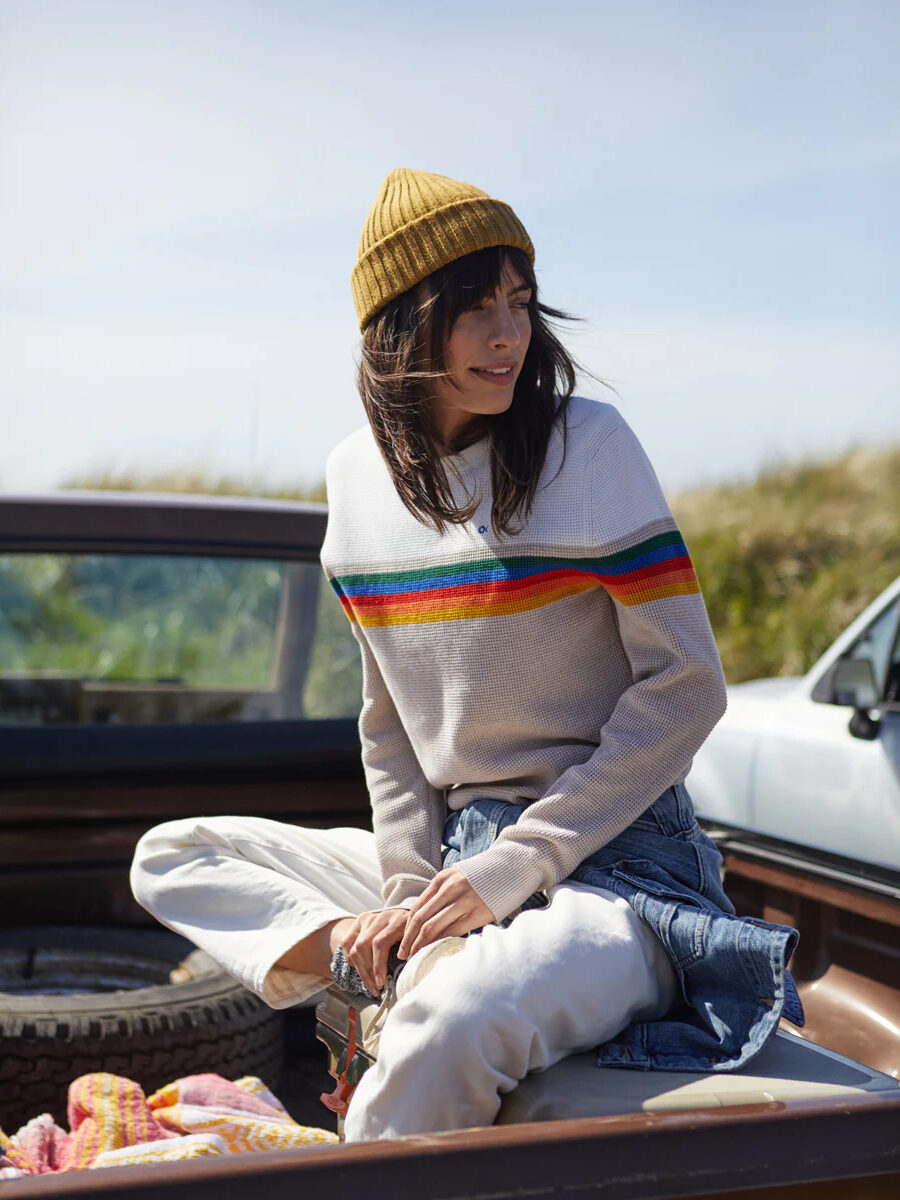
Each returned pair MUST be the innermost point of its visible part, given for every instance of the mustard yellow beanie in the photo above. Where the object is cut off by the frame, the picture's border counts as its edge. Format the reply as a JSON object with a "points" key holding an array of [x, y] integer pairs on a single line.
{"points": [[419, 223]]}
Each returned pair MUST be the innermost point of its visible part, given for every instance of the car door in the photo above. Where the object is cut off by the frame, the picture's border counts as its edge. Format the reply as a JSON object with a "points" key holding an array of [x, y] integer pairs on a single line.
{"points": [[818, 784]]}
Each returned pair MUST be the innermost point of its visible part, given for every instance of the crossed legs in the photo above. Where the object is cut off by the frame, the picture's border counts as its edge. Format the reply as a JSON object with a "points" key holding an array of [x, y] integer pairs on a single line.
{"points": [[267, 900]]}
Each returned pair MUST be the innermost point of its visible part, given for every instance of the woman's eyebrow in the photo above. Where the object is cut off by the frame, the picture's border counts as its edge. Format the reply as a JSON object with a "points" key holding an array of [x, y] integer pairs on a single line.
{"points": [[522, 287]]}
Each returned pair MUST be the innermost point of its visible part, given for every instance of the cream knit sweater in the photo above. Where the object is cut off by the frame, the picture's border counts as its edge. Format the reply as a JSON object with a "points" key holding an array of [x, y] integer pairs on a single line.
{"points": [[571, 667]]}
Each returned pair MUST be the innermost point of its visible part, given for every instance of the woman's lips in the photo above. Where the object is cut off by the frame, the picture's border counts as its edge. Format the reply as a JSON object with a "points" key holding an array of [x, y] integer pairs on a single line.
{"points": [[500, 379]]}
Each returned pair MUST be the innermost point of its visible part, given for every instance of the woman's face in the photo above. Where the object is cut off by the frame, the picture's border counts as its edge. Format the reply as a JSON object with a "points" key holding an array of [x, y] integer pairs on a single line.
{"points": [[492, 337]]}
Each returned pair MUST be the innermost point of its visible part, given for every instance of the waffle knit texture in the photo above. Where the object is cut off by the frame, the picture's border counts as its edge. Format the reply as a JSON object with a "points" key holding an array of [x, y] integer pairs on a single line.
{"points": [[571, 667], [418, 223]]}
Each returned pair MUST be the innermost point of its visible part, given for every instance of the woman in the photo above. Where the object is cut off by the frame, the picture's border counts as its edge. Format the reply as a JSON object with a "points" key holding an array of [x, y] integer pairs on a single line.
{"points": [[538, 672]]}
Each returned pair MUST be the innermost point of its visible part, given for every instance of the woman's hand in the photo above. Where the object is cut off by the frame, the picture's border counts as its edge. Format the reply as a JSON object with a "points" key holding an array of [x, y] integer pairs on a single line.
{"points": [[367, 944], [449, 906]]}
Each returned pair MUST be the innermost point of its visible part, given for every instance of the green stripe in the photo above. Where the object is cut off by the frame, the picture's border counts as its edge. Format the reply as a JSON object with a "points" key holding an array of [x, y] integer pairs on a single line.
{"points": [[521, 560]]}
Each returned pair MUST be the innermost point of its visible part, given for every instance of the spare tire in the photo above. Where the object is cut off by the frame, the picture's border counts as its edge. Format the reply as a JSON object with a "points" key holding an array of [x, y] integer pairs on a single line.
{"points": [[76, 1000]]}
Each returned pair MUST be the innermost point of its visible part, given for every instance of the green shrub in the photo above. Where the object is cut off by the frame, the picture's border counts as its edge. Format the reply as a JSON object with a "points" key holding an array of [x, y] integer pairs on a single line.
{"points": [[787, 561]]}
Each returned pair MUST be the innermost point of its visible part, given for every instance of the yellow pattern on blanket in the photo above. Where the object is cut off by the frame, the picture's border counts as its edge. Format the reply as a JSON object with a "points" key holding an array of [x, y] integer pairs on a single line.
{"points": [[113, 1124], [239, 1128]]}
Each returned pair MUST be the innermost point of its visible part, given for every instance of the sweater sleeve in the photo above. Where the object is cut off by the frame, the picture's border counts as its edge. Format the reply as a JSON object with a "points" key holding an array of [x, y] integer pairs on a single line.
{"points": [[676, 696], [407, 811]]}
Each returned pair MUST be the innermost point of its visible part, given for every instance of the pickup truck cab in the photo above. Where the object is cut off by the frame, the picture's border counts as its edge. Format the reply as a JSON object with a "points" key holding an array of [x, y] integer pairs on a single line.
{"points": [[803, 759], [169, 655]]}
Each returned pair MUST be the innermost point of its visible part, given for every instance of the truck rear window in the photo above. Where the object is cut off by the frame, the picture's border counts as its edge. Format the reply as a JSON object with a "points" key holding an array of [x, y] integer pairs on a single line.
{"points": [[153, 638]]}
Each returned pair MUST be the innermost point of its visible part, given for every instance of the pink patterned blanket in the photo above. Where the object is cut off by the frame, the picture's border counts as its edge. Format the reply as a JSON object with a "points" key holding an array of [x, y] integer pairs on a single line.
{"points": [[112, 1123]]}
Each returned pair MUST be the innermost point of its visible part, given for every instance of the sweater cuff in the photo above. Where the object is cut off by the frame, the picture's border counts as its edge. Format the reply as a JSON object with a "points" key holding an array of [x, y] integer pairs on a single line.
{"points": [[402, 891], [407, 902], [504, 876]]}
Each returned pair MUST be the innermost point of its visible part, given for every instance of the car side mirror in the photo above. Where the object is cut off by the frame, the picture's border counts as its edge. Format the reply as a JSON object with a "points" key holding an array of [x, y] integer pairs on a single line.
{"points": [[854, 683]]}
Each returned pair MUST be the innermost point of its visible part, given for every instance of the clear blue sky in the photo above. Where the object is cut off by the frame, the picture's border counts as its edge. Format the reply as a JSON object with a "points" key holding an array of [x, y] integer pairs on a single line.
{"points": [[713, 186]]}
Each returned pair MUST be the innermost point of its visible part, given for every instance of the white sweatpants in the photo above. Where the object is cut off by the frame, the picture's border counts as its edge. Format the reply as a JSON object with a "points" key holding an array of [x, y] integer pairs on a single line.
{"points": [[555, 981]]}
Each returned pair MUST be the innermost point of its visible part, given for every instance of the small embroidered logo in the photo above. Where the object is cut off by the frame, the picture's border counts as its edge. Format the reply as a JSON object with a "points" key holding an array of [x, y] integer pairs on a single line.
{"points": [[482, 528]]}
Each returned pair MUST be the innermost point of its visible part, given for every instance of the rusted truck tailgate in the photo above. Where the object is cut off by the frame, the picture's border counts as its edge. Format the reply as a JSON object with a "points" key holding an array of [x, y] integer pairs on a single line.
{"points": [[795, 1149]]}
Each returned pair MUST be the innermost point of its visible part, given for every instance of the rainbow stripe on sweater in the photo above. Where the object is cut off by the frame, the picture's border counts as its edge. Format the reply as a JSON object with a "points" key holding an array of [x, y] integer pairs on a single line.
{"points": [[653, 569]]}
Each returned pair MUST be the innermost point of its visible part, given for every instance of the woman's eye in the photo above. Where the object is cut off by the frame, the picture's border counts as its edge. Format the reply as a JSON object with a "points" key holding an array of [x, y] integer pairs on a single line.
{"points": [[480, 306]]}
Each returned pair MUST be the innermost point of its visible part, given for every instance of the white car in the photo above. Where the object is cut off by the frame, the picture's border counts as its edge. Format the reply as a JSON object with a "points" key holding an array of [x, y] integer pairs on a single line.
{"points": [[815, 760]]}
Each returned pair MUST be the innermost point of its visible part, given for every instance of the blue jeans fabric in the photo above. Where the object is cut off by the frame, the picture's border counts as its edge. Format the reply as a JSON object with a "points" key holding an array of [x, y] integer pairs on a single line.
{"points": [[735, 984]]}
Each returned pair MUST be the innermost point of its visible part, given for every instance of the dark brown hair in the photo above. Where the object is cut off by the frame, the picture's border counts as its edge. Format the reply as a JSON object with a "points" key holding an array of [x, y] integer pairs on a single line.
{"points": [[403, 352]]}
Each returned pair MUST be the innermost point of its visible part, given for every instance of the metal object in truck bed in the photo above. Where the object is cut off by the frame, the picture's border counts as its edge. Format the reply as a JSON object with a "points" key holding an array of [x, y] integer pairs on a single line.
{"points": [[350, 1027]]}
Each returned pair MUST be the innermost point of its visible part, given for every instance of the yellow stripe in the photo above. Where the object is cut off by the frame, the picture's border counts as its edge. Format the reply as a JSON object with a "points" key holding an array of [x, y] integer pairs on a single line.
{"points": [[659, 593], [92, 1135]]}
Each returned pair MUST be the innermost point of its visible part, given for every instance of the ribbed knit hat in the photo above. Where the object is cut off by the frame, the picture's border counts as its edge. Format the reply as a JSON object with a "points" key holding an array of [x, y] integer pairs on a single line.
{"points": [[419, 223]]}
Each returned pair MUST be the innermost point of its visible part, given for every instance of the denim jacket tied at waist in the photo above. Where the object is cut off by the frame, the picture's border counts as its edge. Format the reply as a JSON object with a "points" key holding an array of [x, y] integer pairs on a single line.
{"points": [[733, 970]]}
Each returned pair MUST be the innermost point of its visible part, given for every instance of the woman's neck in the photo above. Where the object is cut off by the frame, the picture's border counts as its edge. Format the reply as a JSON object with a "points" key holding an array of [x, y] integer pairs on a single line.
{"points": [[473, 432]]}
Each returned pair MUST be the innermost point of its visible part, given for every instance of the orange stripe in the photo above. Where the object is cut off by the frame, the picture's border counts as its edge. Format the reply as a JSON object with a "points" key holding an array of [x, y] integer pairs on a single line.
{"points": [[486, 610], [661, 593], [685, 575]]}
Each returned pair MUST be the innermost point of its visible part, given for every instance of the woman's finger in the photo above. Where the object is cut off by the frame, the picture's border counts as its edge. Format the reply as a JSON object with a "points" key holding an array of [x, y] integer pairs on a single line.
{"points": [[457, 917], [434, 929], [432, 886], [433, 892], [465, 913], [360, 957], [462, 913], [449, 878], [417, 919], [447, 888], [350, 936], [381, 949], [369, 952]]}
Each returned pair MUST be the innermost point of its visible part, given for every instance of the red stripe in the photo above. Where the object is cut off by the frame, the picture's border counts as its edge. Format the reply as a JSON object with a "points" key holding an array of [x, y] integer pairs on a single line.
{"points": [[654, 571], [480, 601]]}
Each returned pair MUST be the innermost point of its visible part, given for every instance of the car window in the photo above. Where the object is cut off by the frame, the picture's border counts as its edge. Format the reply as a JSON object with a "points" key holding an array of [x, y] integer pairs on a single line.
{"points": [[152, 638], [878, 644], [892, 684]]}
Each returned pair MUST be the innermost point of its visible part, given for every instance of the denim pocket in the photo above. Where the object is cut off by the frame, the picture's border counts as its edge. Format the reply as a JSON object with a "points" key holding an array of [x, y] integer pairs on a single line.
{"points": [[677, 918]]}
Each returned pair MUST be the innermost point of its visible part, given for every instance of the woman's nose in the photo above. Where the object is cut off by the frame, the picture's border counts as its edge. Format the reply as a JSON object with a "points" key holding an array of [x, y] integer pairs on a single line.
{"points": [[505, 330]]}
